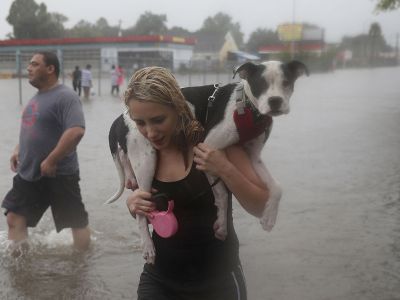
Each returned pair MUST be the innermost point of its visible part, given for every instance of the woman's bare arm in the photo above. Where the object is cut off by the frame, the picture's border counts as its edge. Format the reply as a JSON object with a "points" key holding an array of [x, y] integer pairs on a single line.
{"points": [[234, 167]]}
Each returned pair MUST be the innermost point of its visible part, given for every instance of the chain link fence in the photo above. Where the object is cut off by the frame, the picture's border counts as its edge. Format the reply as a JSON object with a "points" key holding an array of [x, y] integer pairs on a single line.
{"points": [[13, 64]]}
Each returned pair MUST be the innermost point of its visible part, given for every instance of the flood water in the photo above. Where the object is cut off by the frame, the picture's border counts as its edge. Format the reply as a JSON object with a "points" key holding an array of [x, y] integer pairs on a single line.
{"points": [[337, 156]]}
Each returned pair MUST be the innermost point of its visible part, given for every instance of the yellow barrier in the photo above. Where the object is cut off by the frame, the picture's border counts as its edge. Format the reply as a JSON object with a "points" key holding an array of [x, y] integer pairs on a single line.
{"points": [[6, 75]]}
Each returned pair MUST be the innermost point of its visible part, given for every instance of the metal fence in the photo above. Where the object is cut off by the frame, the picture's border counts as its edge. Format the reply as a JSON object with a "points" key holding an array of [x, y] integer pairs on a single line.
{"points": [[13, 64]]}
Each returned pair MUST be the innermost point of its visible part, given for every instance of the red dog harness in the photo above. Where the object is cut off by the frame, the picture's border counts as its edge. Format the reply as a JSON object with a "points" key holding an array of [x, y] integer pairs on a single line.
{"points": [[250, 123]]}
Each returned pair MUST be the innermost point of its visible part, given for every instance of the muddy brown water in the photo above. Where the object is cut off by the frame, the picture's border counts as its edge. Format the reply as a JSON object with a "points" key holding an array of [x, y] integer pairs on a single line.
{"points": [[337, 156]]}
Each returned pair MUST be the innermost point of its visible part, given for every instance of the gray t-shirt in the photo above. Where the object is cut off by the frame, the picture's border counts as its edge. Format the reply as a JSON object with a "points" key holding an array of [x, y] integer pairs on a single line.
{"points": [[45, 118]]}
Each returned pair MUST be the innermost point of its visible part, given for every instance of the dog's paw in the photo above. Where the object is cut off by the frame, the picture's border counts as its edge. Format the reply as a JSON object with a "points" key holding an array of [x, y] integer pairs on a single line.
{"points": [[150, 259], [267, 224], [131, 184], [220, 230], [149, 253], [269, 216]]}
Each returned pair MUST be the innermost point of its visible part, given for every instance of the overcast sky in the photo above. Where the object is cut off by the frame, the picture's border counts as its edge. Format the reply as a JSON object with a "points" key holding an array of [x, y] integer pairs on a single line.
{"points": [[337, 17]]}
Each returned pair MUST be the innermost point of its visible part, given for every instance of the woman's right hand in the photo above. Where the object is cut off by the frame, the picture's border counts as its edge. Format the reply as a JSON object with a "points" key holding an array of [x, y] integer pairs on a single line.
{"points": [[138, 202]]}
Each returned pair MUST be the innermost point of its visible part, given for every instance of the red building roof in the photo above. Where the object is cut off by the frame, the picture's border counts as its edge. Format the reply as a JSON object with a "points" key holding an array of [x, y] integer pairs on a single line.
{"points": [[100, 40]]}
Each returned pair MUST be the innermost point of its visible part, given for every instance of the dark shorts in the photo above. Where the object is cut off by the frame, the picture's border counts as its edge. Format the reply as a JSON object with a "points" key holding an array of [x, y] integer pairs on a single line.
{"points": [[62, 194], [153, 286]]}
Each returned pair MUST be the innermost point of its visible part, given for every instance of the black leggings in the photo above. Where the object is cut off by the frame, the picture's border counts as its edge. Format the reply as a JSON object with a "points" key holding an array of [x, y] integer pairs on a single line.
{"points": [[153, 286]]}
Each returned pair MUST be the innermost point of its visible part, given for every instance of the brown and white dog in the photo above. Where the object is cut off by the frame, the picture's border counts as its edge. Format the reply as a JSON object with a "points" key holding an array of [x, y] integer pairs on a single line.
{"points": [[234, 113]]}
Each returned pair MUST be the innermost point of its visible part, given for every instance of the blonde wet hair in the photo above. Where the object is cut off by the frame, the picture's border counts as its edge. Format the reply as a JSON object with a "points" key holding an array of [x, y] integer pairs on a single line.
{"points": [[158, 85]]}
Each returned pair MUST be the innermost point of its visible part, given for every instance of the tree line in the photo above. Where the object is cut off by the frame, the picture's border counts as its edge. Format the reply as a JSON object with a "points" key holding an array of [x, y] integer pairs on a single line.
{"points": [[31, 20]]}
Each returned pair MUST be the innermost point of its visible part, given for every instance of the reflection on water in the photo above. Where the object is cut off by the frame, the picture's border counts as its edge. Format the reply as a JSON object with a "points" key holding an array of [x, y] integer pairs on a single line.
{"points": [[338, 233]]}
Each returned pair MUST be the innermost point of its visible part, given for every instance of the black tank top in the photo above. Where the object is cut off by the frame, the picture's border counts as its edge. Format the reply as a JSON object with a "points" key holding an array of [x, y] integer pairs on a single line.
{"points": [[194, 252]]}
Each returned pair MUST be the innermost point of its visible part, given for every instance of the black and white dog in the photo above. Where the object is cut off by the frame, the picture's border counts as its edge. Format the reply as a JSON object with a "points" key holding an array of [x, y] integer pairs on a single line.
{"points": [[234, 113]]}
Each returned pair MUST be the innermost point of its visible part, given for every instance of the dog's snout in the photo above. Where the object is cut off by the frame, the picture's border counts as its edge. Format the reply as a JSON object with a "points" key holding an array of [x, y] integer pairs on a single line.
{"points": [[275, 102]]}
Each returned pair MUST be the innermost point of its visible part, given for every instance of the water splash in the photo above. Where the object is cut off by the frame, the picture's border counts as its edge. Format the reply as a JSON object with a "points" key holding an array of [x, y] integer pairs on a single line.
{"points": [[46, 264]]}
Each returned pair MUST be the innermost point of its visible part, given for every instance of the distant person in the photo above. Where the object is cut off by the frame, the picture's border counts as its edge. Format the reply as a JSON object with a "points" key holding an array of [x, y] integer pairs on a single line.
{"points": [[45, 159], [114, 80], [87, 81], [76, 80], [121, 76]]}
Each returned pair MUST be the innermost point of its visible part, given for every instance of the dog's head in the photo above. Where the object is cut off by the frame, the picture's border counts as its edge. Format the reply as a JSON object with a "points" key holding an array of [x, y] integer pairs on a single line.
{"points": [[270, 84]]}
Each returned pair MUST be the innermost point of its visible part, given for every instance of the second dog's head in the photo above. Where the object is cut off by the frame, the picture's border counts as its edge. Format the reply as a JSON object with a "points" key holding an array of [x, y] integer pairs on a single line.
{"points": [[270, 84]]}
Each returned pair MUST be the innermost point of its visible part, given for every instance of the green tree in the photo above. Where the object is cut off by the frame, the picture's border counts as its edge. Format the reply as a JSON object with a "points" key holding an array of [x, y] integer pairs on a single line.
{"points": [[22, 17], [386, 5], [53, 27], [82, 29], [86, 29], [376, 42], [31, 20], [223, 23], [179, 31], [366, 47], [104, 29], [148, 24], [261, 37]]}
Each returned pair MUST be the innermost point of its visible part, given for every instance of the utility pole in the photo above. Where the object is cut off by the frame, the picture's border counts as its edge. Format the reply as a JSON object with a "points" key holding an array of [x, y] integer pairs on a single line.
{"points": [[397, 49], [19, 74], [293, 19], [119, 28]]}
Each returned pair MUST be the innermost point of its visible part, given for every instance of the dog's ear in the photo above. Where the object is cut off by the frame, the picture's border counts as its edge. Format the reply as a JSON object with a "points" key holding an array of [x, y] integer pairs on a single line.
{"points": [[297, 68], [245, 70]]}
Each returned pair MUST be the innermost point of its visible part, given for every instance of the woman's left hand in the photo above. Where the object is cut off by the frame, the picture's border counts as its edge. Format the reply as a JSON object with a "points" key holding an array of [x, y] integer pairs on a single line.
{"points": [[209, 160]]}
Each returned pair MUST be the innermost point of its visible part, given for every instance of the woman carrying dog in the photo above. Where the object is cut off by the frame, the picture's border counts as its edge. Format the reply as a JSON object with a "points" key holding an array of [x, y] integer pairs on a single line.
{"points": [[193, 263]]}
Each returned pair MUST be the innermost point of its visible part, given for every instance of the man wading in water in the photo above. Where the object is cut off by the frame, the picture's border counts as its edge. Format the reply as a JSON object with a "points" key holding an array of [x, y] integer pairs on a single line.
{"points": [[45, 159]]}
